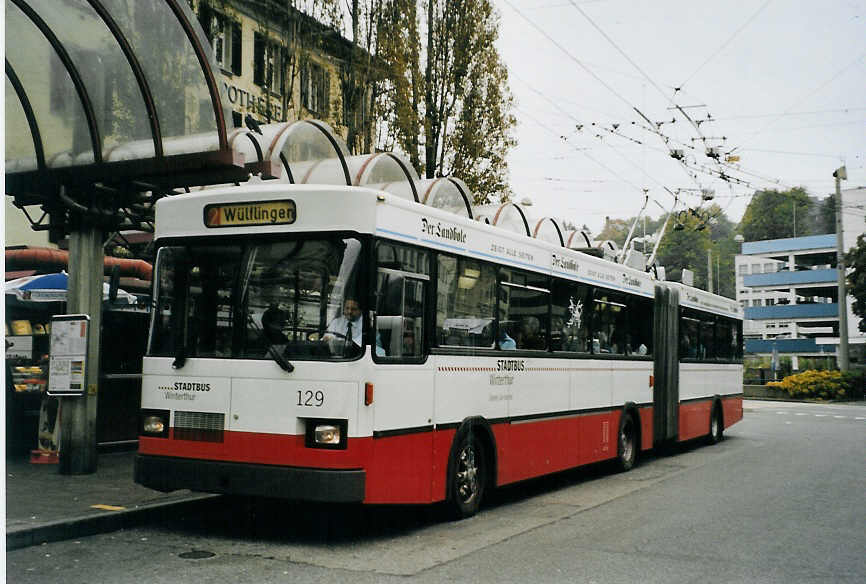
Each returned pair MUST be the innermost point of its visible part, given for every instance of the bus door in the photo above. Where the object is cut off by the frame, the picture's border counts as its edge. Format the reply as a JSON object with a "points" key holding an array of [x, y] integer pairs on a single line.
{"points": [[666, 366], [403, 394]]}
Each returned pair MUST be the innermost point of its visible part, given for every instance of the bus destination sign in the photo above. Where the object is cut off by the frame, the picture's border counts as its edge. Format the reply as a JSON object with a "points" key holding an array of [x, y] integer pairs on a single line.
{"points": [[255, 213]]}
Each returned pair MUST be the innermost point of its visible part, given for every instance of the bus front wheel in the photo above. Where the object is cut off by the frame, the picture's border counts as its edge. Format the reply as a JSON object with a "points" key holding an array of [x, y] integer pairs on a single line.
{"points": [[468, 478]]}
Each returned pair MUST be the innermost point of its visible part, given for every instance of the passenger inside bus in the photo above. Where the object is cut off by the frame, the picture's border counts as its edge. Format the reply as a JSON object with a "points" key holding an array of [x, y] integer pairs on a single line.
{"points": [[530, 336], [686, 348], [273, 322], [633, 347], [409, 343], [506, 343]]}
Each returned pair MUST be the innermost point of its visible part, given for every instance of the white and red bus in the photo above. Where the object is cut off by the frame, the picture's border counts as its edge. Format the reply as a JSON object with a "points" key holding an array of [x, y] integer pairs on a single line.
{"points": [[344, 344]]}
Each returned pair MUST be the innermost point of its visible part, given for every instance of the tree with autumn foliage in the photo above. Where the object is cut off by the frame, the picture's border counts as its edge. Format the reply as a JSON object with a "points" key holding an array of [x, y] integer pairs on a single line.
{"points": [[447, 102]]}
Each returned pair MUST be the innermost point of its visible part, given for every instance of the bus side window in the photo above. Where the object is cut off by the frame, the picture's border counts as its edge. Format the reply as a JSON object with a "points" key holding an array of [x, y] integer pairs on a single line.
{"points": [[465, 303], [689, 338], [523, 309], [400, 294], [571, 306]]}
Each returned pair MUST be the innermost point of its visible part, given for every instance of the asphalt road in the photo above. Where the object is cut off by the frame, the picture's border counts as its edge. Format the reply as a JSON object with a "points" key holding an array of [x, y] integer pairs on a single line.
{"points": [[780, 500]]}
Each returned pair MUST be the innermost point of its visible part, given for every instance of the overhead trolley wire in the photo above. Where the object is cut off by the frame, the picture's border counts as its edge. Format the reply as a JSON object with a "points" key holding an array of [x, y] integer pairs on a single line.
{"points": [[723, 45], [782, 115], [806, 96], [604, 166]]}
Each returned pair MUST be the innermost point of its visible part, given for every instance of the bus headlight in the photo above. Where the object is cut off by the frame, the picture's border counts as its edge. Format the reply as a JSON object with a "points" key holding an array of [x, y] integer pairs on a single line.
{"points": [[329, 434], [154, 423]]}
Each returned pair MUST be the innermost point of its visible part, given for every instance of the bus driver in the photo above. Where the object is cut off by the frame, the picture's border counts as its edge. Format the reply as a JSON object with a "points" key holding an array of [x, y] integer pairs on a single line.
{"points": [[343, 334]]}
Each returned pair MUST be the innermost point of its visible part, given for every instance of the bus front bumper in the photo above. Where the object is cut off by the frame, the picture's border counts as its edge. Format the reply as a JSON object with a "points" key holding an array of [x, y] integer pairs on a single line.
{"points": [[164, 473]]}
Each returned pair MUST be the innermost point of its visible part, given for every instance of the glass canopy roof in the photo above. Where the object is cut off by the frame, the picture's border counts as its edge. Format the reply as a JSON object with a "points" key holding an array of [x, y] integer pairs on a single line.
{"points": [[90, 87], [548, 230]]}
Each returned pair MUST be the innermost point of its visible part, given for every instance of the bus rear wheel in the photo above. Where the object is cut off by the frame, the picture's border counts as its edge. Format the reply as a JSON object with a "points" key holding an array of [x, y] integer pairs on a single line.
{"points": [[626, 449], [717, 427], [469, 477]]}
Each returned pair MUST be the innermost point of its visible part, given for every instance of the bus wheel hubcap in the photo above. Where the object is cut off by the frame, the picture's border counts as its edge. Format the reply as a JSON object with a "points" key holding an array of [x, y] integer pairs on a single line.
{"points": [[467, 474], [627, 444]]}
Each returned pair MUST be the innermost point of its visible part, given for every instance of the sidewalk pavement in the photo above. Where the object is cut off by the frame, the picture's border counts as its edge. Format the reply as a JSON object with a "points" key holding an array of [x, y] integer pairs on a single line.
{"points": [[43, 506]]}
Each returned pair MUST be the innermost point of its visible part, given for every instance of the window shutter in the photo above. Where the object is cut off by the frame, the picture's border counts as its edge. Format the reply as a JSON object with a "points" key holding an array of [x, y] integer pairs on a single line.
{"points": [[258, 59], [236, 48], [325, 104], [305, 80], [284, 61], [204, 18]]}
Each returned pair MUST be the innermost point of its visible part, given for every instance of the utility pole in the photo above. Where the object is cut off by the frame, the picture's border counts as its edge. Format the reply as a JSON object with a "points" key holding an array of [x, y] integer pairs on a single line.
{"points": [[710, 271], [841, 174]]}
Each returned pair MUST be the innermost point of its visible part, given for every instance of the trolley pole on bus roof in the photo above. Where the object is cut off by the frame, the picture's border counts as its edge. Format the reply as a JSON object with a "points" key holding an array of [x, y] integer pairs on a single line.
{"points": [[841, 174]]}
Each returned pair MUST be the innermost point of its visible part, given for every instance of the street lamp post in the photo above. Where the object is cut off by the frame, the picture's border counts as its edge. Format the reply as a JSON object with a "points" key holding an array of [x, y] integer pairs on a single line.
{"points": [[841, 174]]}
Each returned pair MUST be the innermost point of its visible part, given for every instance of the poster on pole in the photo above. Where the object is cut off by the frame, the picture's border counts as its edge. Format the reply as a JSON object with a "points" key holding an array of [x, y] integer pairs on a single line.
{"points": [[68, 355]]}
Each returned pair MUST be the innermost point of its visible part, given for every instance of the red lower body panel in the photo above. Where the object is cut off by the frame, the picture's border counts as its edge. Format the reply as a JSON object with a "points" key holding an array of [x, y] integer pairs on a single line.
{"points": [[694, 419], [413, 467], [646, 427], [732, 410], [401, 469], [534, 448]]}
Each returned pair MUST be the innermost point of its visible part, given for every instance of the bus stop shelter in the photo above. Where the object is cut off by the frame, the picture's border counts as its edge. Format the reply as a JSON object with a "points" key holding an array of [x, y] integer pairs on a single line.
{"points": [[101, 121]]}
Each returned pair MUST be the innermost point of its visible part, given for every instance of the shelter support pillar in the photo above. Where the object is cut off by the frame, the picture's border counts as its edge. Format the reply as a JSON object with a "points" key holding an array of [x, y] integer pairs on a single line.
{"points": [[78, 414]]}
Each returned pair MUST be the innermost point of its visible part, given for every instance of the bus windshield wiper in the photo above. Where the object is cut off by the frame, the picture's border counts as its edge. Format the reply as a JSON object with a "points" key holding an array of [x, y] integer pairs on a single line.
{"points": [[179, 358]]}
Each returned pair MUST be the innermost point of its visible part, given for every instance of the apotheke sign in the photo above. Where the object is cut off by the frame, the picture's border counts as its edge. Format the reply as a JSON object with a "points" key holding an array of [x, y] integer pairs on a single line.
{"points": [[254, 103]]}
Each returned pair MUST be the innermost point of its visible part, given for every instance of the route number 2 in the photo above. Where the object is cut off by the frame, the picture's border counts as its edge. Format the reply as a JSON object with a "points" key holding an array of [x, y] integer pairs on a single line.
{"points": [[311, 398]]}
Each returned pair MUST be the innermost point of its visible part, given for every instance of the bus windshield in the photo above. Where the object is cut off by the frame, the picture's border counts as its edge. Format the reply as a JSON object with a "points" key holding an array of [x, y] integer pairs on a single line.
{"points": [[248, 299]]}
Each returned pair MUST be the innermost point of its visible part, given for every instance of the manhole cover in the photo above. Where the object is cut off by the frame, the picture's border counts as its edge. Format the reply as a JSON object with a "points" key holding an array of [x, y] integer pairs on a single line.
{"points": [[196, 555]]}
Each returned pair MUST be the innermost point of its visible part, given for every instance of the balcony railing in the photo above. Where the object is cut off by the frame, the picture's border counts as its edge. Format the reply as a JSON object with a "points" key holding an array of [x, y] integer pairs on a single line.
{"points": [[792, 311], [790, 244], [787, 346], [787, 278]]}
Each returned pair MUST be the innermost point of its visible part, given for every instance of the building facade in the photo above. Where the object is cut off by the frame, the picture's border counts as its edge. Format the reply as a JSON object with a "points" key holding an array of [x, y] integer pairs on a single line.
{"points": [[279, 64], [788, 289]]}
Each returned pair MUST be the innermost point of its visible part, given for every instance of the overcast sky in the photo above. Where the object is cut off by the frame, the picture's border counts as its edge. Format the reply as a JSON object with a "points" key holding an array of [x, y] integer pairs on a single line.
{"points": [[783, 81]]}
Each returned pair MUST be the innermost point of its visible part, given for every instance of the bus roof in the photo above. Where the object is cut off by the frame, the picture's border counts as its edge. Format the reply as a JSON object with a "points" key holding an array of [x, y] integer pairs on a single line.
{"points": [[262, 208]]}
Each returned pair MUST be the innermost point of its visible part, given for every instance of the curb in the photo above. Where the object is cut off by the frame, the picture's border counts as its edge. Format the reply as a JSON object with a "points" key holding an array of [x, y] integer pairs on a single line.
{"points": [[82, 526]]}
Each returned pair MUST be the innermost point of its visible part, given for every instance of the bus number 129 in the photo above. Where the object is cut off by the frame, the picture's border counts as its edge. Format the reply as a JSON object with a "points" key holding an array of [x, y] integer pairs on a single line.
{"points": [[311, 398]]}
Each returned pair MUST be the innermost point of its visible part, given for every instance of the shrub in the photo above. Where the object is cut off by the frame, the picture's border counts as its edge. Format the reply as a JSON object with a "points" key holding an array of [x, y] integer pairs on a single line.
{"points": [[817, 384]]}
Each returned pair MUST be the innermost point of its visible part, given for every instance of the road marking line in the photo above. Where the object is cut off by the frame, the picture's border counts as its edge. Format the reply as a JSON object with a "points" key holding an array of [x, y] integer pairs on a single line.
{"points": [[801, 414], [840, 417], [107, 507], [860, 418], [820, 415]]}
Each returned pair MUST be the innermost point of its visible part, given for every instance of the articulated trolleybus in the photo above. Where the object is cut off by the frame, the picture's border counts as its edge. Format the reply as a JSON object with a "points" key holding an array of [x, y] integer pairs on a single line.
{"points": [[344, 344]]}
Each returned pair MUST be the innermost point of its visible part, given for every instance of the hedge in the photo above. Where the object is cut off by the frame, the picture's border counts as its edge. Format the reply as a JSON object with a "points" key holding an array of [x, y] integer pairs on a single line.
{"points": [[818, 384]]}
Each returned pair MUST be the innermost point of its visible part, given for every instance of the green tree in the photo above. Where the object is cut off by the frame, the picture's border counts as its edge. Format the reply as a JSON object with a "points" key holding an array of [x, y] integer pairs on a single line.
{"points": [[453, 114], [855, 260], [771, 215], [685, 248], [615, 230]]}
